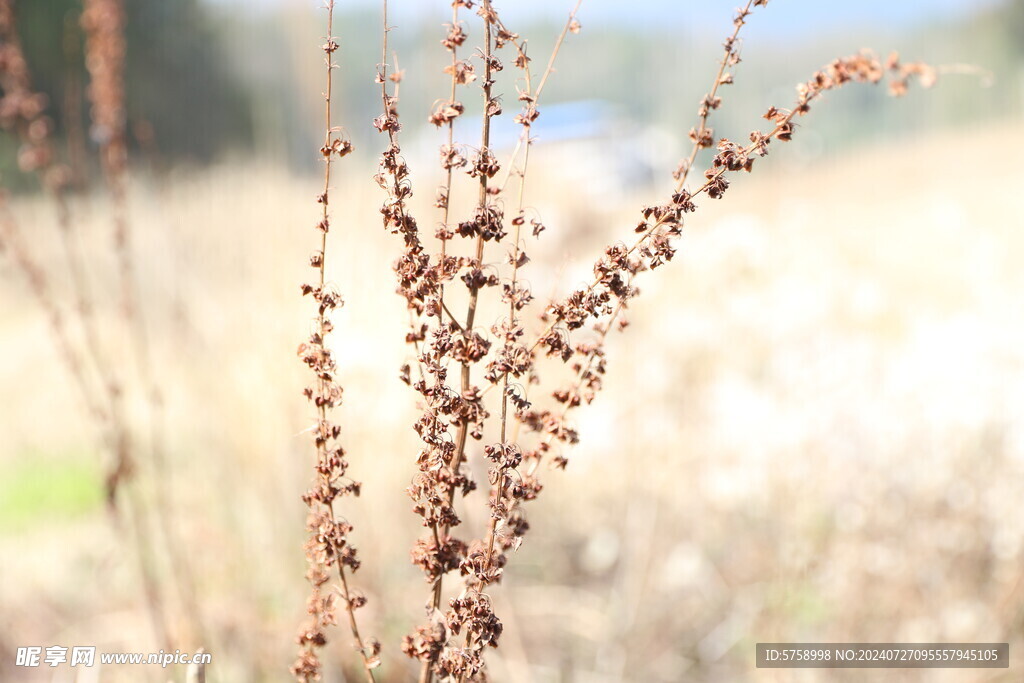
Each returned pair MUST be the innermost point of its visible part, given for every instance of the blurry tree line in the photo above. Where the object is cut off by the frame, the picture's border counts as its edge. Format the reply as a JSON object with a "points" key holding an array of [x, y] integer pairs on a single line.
{"points": [[207, 78], [184, 102], [651, 74]]}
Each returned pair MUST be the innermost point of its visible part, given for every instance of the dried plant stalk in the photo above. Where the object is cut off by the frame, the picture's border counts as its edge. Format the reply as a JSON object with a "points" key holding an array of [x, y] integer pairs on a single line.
{"points": [[23, 113], [702, 135], [603, 301], [617, 269], [12, 242], [328, 546], [459, 359], [588, 357], [103, 23], [105, 58], [462, 344], [660, 224], [472, 612], [105, 52], [454, 414]]}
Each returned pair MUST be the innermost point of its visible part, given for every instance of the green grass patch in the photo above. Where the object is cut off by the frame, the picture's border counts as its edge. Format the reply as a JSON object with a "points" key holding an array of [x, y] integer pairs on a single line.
{"points": [[38, 489]]}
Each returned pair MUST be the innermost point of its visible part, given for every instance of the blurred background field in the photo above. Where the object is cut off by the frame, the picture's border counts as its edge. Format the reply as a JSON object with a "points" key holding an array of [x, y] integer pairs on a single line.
{"points": [[812, 431]]}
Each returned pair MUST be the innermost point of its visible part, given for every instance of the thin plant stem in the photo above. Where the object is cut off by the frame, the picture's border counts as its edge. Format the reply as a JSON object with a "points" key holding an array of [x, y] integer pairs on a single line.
{"points": [[322, 325], [12, 242], [524, 137], [710, 102]]}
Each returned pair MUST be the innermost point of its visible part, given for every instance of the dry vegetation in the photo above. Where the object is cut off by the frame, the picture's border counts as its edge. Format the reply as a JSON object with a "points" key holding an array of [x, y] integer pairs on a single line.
{"points": [[808, 361], [806, 433]]}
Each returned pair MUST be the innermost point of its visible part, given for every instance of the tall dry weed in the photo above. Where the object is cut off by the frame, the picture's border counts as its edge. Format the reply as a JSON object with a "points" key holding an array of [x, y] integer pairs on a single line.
{"points": [[489, 390], [329, 547], [497, 373]]}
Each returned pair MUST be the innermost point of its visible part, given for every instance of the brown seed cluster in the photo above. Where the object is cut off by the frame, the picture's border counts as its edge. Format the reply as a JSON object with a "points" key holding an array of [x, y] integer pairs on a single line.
{"points": [[660, 224], [451, 352], [23, 111], [105, 52]]}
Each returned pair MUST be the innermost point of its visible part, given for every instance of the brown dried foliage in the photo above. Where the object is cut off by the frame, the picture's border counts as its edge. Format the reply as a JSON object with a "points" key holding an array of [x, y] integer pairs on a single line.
{"points": [[459, 362]]}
